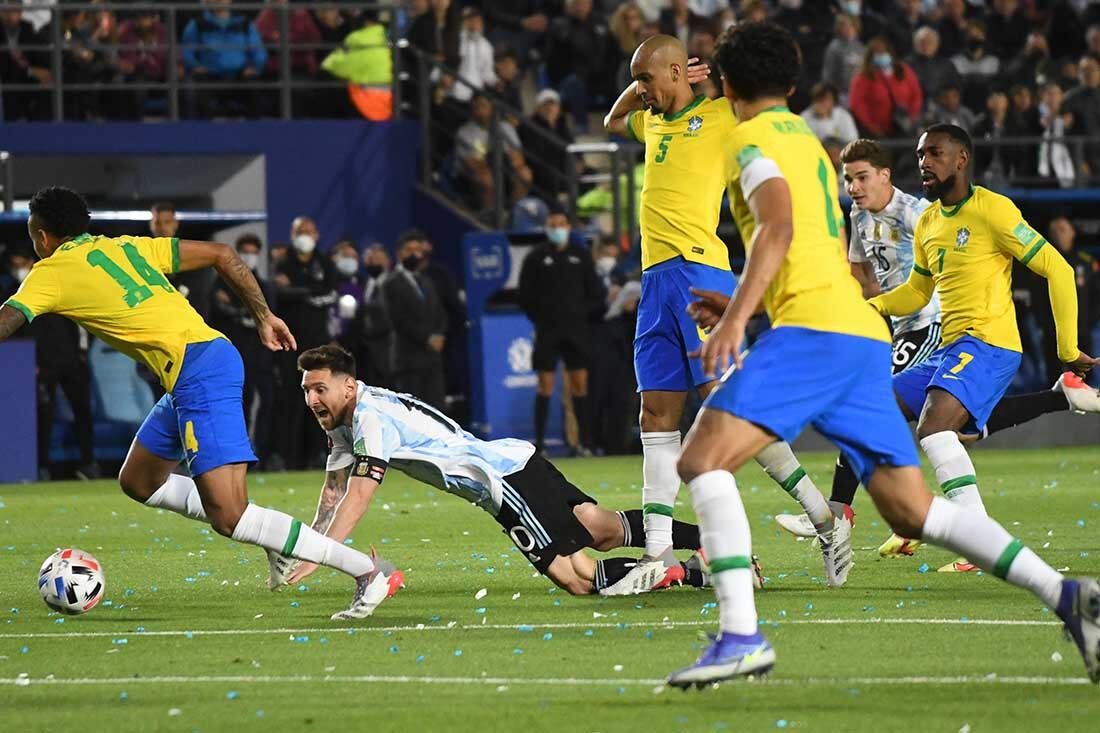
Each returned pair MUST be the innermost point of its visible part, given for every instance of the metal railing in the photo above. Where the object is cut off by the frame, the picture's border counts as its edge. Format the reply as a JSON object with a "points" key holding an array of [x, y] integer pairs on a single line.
{"points": [[7, 180], [179, 87]]}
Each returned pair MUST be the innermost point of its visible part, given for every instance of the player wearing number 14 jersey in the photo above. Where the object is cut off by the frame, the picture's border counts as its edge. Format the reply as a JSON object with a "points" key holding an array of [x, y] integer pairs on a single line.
{"points": [[115, 287]]}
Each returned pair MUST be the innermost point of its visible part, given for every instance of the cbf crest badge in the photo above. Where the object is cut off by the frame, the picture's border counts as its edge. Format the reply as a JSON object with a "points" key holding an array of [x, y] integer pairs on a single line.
{"points": [[694, 123], [962, 236]]}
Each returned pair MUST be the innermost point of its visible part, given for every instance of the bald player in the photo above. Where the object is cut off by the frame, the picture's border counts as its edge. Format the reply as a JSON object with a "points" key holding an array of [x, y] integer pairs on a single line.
{"points": [[687, 167]]}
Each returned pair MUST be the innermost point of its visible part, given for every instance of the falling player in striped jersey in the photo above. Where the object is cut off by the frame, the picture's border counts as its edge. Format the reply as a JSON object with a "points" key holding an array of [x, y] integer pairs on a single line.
{"points": [[549, 519], [883, 219]]}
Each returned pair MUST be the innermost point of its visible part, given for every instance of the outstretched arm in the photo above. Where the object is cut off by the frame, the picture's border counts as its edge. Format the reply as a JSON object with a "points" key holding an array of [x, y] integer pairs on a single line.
{"points": [[11, 320], [332, 493], [342, 504]]}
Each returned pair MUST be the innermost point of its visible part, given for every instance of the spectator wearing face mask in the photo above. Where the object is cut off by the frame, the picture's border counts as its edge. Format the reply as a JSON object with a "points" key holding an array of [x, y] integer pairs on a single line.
{"points": [[560, 291], [194, 285], [976, 66], [349, 290], [885, 96], [232, 318], [370, 337]]}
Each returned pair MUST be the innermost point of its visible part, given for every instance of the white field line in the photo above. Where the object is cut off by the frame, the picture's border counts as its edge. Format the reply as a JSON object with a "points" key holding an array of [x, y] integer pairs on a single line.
{"points": [[527, 627], [991, 679]]}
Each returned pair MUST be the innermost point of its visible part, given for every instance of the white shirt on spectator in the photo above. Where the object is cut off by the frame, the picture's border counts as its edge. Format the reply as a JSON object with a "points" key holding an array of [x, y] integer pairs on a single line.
{"points": [[472, 140], [38, 12], [475, 65], [839, 125]]}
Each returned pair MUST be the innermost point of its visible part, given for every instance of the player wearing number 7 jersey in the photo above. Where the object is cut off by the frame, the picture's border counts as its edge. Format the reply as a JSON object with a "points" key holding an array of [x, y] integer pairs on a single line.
{"points": [[115, 287]]}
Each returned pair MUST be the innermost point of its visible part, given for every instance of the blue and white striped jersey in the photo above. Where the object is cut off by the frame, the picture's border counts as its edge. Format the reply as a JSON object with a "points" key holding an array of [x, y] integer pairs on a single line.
{"points": [[424, 444], [885, 239]]}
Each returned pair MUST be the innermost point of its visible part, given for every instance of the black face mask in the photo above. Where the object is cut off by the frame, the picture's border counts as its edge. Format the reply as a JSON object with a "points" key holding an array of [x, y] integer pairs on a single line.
{"points": [[373, 271], [411, 262], [975, 44]]}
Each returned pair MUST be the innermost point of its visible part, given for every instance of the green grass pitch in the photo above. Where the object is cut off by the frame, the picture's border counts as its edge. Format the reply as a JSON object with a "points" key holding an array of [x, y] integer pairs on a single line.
{"points": [[190, 639]]}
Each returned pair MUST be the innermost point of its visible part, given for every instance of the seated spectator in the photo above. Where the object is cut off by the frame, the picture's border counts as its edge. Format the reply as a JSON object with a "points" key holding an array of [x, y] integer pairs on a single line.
{"points": [[1007, 28], [1056, 163], [576, 59], [870, 21], [24, 60], [844, 54], [827, 118], [223, 46], [993, 163], [976, 66], [546, 155], [437, 33], [1033, 64], [626, 31], [302, 32], [810, 23], [885, 96], [903, 19], [143, 47], [931, 69], [473, 144], [88, 56], [952, 27], [679, 21], [506, 70], [948, 107], [520, 24], [1083, 103], [475, 65]]}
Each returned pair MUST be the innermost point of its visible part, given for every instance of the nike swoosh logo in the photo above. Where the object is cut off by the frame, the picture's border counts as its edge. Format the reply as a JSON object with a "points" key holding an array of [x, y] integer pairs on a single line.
{"points": [[952, 376]]}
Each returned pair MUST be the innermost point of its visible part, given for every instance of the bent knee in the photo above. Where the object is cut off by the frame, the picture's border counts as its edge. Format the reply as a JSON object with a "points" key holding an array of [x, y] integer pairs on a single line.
{"points": [[692, 464], [577, 586], [138, 485], [224, 520]]}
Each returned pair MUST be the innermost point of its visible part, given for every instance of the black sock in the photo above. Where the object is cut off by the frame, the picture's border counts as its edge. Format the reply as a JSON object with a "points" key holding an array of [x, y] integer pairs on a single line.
{"points": [[542, 409], [1012, 411], [693, 576], [845, 482], [611, 570], [580, 411], [685, 536]]}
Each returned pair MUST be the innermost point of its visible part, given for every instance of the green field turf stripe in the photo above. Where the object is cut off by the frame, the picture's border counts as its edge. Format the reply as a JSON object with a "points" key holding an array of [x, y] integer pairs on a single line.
{"points": [[1004, 562], [292, 537], [664, 509], [733, 562], [793, 480], [959, 482]]}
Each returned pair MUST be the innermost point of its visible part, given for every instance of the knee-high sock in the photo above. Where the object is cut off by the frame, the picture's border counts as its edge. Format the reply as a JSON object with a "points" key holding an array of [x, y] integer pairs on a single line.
{"points": [[611, 570], [685, 536], [845, 482], [954, 469], [1012, 411], [180, 495], [724, 529], [284, 534], [778, 461], [661, 483], [542, 409], [989, 546]]}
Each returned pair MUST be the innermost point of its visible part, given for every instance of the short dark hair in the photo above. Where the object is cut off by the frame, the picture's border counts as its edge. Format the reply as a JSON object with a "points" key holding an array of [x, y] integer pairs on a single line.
{"points": [[821, 89], [759, 60], [61, 211], [411, 235], [505, 51], [163, 206], [336, 359], [248, 238], [954, 132], [869, 150]]}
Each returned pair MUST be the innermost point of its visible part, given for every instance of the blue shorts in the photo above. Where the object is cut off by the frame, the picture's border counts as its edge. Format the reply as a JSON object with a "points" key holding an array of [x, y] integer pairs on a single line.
{"points": [[840, 384], [202, 419], [666, 334], [976, 373]]}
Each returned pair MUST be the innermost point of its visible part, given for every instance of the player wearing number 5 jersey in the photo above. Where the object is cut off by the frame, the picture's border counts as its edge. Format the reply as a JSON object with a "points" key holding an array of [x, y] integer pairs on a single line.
{"points": [[115, 287]]}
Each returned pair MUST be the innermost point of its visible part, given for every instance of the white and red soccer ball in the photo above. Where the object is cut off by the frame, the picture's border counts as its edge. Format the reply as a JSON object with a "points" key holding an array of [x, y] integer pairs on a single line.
{"points": [[71, 581]]}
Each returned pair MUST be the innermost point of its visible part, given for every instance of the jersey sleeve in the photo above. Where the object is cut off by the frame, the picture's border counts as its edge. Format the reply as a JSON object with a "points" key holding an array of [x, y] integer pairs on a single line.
{"points": [[339, 453], [635, 125], [753, 168], [162, 252], [38, 294], [373, 435], [856, 250], [1010, 232]]}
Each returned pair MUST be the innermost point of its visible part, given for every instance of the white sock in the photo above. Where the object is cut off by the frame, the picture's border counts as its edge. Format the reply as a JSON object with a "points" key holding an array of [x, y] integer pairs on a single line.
{"points": [[180, 495], [284, 534], [661, 483], [989, 546], [778, 461], [724, 530], [954, 469]]}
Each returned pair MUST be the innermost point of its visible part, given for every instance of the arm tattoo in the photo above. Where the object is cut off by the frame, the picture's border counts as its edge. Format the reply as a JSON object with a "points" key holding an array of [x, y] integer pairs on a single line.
{"points": [[240, 278], [332, 493], [11, 320]]}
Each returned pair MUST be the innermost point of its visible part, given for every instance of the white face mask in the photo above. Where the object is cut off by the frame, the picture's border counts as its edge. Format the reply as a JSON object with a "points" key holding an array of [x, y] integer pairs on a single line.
{"points": [[251, 260], [347, 266], [21, 273], [604, 265], [304, 243]]}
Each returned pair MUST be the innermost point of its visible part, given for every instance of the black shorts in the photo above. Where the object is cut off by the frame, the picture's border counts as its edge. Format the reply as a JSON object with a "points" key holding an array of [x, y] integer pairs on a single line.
{"points": [[537, 513], [913, 347], [572, 346]]}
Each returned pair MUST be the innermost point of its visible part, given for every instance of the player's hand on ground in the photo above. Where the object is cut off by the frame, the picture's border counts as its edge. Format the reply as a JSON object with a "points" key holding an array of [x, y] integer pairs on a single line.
{"points": [[275, 334], [1083, 364], [697, 70], [708, 309], [722, 347], [301, 572]]}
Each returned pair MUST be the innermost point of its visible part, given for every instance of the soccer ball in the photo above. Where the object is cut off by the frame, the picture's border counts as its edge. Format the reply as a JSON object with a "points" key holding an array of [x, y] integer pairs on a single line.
{"points": [[71, 581]]}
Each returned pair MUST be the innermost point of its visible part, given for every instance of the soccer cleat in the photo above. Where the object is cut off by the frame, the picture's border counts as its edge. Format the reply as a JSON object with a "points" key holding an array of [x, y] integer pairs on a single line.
{"points": [[959, 565], [728, 656], [797, 524], [1080, 396], [1079, 609], [836, 551], [697, 570], [649, 574], [757, 574], [281, 568], [897, 546], [371, 589]]}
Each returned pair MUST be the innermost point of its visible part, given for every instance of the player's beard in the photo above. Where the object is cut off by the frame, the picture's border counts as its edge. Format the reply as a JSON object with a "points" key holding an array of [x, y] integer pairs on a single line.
{"points": [[935, 190]]}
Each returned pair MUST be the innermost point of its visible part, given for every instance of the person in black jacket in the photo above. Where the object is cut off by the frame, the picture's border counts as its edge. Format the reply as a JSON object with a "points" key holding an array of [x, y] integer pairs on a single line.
{"points": [[419, 324], [559, 291], [24, 60], [370, 335]]}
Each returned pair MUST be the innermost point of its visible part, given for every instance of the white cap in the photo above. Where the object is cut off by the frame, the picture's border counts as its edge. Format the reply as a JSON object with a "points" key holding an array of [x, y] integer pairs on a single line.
{"points": [[547, 95]]}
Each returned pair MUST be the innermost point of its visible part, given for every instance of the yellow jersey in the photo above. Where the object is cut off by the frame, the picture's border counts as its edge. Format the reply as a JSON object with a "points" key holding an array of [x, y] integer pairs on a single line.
{"points": [[686, 169], [814, 287], [115, 288]]}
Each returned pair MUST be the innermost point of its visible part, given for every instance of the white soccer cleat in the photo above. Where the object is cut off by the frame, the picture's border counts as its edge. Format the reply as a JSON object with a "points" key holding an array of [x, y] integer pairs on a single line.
{"points": [[648, 575], [281, 568], [1081, 397], [797, 524], [371, 589], [836, 551]]}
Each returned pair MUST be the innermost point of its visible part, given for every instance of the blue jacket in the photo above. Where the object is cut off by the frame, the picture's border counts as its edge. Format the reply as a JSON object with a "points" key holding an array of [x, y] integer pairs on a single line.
{"points": [[225, 46]]}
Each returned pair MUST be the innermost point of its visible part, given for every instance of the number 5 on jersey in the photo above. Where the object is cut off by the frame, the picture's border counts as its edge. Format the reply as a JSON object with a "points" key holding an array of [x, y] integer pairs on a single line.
{"points": [[663, 148]]}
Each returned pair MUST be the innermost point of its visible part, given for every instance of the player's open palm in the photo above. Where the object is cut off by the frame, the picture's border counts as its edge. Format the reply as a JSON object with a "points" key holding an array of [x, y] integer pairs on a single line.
{"points": [[697, 70], [722, 347], [1083, 364], [708, 309], [275, 334], [301, 571]]}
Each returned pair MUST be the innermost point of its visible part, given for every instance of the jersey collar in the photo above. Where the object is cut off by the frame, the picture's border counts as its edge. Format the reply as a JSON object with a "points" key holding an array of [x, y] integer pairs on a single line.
{"points": [[82, 238], [957, 207], [776, 108], [694, 103]]}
